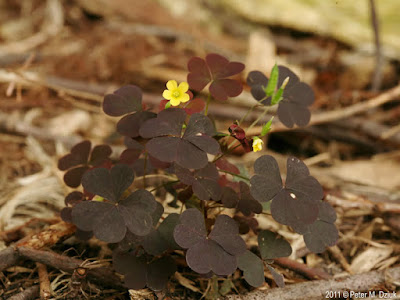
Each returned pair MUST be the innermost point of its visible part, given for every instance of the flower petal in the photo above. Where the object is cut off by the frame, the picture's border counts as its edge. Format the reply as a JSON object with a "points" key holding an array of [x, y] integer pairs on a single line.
{"points": [[167, 94], [184, 98], [175, 101], [172, 84], [183, 87]]}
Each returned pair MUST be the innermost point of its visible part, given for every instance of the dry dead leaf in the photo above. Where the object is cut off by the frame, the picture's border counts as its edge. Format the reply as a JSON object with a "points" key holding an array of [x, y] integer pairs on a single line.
{"points": [[187, 283], [369, 259]]}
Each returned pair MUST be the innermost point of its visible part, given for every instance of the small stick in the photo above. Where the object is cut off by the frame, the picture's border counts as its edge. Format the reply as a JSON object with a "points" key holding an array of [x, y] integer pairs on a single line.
{"points": [[30, 293], [310, 273], [45, 290], [377, 77], [104, 275]]}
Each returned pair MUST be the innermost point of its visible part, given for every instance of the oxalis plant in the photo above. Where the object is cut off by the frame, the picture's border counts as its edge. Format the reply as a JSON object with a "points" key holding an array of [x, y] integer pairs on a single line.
{"points": [[180, 143]]}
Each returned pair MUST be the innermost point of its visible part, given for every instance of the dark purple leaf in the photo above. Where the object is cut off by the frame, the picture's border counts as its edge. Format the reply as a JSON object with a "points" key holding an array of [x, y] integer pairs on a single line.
{"points": [[195, 106], [300, 183], [208, 256], [199, 75], [130, 124], [109, 184], [267, 182], [167, 228], [74, 198], [79, 155], [258, 82], [223, 88], [168, 122], [66, 214], [83, 235], [225, 165], [101, 218], [220, 67], [272, 246], [73, 177], [99, 155], [205, 143], [226, 234], [247, 204], [229, 197], [215, 69], [142, 271], [174, 149], [252, 267], [199, 123], [123, 101], [191, 228], [158, 273], [289, 210], [278, 278]]}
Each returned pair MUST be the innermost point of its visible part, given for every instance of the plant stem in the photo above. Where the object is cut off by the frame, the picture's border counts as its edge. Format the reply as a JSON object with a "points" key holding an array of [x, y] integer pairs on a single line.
{"points": [[207, 104], [247, 113], [162, 185], [236, 175], [144, 170], [258, 119]]}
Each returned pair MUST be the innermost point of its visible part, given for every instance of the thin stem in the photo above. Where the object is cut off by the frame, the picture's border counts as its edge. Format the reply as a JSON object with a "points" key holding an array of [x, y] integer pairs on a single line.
{"points": [[236, 175], [229, 150], [207, 104], [162, 185], [258, 119], [144, 170], [247, 113]]}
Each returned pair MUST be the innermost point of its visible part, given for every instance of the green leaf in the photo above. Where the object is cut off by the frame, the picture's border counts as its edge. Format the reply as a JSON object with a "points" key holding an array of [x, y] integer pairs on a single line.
{"points": [[277, 96], [226, 287], [272, 246], [267, 127], [273, 81], [168, 105]]}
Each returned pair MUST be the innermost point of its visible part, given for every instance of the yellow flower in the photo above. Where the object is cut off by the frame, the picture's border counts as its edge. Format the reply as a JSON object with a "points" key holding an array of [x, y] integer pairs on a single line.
{"points": [[257, 144], [176, 94]]}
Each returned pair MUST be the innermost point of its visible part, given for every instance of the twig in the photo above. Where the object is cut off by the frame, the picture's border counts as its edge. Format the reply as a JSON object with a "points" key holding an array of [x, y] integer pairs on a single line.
{"points": [[310, 273], [48, 237], [45, 291], [30, 293], [316, 290], [103, 275], [377, 77], [54, 13]]}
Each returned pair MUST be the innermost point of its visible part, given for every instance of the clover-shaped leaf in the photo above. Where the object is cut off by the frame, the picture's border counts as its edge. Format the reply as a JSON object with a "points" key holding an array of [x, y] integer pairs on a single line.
{"points": [[252, 267], [141, 271], [296, 204], [204, 181], [215, 69], [244, 202], [225, 165], [322, 233], [127, 101], [169, 145], [218, 252], [157, 241], [79, 160], [109, 219], [271, 246], [296, 98]]}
